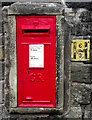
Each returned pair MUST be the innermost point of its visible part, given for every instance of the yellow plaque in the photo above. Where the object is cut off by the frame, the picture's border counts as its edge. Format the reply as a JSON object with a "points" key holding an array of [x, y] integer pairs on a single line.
{"points": [[80, 50]]}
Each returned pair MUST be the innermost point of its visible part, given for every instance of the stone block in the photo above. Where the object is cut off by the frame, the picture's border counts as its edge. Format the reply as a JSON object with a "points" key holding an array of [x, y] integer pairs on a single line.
{"points": [[1, 85], [0, 96], [82, 29], [81, 73], [1, 53], [37, 1], [80, 95], [1, 92], [14, 118], [86, 16], [75, 112], [1, 39], [1, 70], [0, 111], [88, 112]]}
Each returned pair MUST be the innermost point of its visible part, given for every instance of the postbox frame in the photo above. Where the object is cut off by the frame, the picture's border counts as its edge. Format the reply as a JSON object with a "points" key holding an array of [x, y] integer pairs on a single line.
{"points": [[12, 69]]}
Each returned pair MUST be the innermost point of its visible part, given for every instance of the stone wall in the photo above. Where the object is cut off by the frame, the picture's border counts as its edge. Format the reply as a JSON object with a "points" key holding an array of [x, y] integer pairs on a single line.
{"points": [[81, 77], [80, 22], [1, 65]]}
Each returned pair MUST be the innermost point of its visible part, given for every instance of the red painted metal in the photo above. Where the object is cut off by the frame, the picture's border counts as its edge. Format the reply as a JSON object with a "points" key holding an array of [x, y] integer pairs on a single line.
{"points": [[36, 85]]}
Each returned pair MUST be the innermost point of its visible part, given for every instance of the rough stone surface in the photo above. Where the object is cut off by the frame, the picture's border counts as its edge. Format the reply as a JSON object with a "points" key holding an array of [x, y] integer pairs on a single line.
{"points": [[81, 73], [37, 1], [35, 8], [0, 111], [86, 16], [1, 53], [75, 112], [1, 70], [1, 37], [67, 65], [88, 112], [80, 95], [81, 22], [82, 29], [1, 96], [1, 92]]}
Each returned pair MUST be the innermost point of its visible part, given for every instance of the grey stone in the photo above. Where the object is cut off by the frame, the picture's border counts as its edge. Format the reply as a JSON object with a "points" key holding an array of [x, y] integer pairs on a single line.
{"points": [[1, 39], [46, 0], [35, 8], [1, 70], [0, 96], [88, 112], [21, 118], [1, 53], [82, 29], [80, 95], [0, 111], [86, 16], [75, 112], [1, 92], [30, 0], [78, 1], [81, 73], [67, 66], [1, 85]]}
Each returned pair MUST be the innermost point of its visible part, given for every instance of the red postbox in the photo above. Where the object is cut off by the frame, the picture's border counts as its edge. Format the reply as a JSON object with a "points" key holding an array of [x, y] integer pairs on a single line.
{"points": [[36, 60]]}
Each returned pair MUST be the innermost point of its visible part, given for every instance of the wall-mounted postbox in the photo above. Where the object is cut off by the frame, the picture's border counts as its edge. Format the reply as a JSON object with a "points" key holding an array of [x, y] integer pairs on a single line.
{"points": [[36, 57], [36, 60]]}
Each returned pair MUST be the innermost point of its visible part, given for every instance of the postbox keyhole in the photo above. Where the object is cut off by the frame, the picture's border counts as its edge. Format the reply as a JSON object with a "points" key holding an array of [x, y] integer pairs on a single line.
{"points": [[28, 72]]}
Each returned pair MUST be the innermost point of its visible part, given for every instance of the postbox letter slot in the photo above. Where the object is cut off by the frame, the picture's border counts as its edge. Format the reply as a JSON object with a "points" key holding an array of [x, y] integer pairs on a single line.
{"points": [[36, 31]]}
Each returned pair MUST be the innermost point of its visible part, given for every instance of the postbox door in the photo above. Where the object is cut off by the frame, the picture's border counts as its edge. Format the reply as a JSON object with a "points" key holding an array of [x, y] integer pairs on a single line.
{"points": [[36, 60]]}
